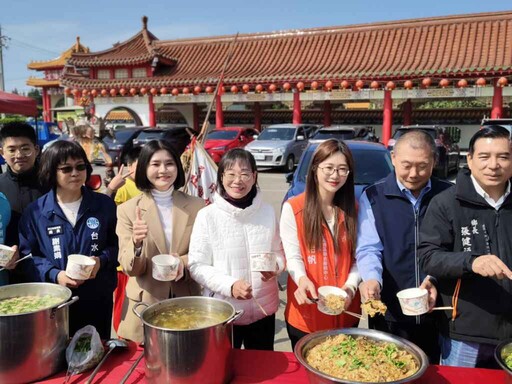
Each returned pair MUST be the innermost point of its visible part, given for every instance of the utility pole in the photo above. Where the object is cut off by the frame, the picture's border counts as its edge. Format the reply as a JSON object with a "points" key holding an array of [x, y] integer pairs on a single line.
{"points": [[3, 41]]}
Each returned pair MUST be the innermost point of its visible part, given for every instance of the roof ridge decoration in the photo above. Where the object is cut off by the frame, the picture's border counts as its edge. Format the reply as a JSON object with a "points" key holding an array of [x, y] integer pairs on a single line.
{"points": [[62, 59]]}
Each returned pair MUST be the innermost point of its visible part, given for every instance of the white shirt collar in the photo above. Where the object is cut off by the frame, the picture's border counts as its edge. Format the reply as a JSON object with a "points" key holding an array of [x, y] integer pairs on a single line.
{"points": [[495, 204]]}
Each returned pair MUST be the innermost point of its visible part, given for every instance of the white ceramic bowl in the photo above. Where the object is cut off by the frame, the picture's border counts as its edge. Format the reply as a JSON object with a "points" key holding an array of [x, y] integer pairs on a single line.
{"points": [[165, 267], [414, 301], [79, 267], [264, 262], [6, 254], [325, 290]]}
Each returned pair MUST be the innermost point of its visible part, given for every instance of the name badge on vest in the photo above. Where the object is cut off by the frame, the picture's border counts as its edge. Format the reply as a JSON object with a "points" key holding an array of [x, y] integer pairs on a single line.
{"points": [[55, 230]]}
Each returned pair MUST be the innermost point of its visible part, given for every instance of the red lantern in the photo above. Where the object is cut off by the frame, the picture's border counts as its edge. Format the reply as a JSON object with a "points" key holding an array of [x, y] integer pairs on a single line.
{"points": [[426, 82], [328, 85], [300, 86], [463, 83], [94, 93], [123, 91], [287, 86], [408, 84], [259, 88], [185, 90], [444, 83], [374, 85], [481, 82], [67, 91], [153, 91], [245, 88], [314, 85], [85, 92], [104, 92], [75, 92], [502, 82], [113, 92], [390, 85], [133, 91], [344, 84], [209, 89], [359, 84], [272, 88], [143, 91], [197, 90], [234, 89], [175, 92]]}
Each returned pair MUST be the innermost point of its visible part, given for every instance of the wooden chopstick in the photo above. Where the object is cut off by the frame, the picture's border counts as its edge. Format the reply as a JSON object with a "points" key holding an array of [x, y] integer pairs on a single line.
{"points": [[259, 305], [442, 308], [357, 315]]}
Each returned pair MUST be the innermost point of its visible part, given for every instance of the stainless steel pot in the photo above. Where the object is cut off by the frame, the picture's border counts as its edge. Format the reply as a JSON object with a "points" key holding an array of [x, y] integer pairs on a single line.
{"points": [[317, 377], [192, 356], [32, 345], [500, 353]]}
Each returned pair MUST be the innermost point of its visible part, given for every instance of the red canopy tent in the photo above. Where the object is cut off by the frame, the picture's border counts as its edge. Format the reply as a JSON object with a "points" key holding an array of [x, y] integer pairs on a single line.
{"points": [[18, 105]]}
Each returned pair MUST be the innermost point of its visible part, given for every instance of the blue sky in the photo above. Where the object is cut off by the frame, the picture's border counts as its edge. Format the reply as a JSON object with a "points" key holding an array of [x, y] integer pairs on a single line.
{"points": [[40, 30]]}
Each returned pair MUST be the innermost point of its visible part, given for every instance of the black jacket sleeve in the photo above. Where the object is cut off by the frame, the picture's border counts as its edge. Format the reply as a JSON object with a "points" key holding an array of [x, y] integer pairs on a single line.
{"points": [[437, 255]]}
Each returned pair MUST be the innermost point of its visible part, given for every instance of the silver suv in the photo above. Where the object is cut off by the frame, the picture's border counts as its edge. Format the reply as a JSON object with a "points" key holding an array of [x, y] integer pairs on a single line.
{"points": [[281, 145]]}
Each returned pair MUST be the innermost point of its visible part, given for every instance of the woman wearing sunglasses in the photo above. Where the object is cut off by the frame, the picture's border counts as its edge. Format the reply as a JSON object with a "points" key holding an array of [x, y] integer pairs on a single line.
{"points": [[228, 234], [71, 219], [318, 230], [157, 222]]}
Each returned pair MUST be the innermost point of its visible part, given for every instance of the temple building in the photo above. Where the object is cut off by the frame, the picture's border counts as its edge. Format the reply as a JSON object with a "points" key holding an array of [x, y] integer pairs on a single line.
{"points": [[382, 74]]}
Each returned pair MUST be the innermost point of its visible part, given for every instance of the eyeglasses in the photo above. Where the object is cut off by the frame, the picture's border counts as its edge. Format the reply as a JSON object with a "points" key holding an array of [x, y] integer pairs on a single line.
{"points": [[69, 168], [233, 176], [328, 171], [23, 151]]}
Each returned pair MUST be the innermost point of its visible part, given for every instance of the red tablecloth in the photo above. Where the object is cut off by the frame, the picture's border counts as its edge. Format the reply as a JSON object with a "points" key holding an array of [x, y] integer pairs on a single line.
{"points": [[270, 367]]}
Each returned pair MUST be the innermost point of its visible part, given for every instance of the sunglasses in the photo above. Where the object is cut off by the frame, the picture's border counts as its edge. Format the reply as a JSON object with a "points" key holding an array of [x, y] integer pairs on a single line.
{"points": [[69, 168]]}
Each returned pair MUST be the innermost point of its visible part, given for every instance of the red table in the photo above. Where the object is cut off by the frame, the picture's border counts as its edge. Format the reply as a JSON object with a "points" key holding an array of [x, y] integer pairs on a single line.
{"points": [[270, 367]]}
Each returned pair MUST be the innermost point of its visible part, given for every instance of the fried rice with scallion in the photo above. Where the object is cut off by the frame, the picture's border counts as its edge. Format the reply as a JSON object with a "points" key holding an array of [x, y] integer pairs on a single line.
{"points": [[361, 359]]}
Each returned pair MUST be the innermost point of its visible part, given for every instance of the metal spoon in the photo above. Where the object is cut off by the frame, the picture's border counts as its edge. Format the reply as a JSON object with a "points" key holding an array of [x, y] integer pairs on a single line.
{"points": [[111, 344], [17, 261]]}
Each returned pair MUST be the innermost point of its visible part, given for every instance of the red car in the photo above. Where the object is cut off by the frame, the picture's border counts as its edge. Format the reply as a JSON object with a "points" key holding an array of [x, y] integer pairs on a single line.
{"points": [[221, 140]]}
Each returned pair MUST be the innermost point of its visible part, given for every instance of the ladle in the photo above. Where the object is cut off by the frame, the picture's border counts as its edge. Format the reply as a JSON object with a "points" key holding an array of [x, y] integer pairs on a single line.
{"points": [[111, 344], [134, 365]]}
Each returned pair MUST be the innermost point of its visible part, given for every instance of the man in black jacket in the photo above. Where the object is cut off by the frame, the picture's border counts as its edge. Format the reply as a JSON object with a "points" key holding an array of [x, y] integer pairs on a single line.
{"points": [[20, 184], [465, 243]]}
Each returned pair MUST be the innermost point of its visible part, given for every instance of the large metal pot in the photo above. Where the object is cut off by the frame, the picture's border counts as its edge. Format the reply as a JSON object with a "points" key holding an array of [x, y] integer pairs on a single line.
{"points": [[500, 353], [32, 345], [189, 356], [317, 377]]}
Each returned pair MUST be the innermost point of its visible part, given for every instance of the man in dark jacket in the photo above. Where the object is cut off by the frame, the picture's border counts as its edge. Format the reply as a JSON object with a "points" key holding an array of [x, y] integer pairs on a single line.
{"points": [[20, 184], [390, 212], [466, 244]]}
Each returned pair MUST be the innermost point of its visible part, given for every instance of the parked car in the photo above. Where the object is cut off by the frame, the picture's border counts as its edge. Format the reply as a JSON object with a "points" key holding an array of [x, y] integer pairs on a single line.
{"points": [[221, 140], [505, 123], [179, 135], [448, 152], [281, 145], [119, 142], [371, 160], [344, 132]]}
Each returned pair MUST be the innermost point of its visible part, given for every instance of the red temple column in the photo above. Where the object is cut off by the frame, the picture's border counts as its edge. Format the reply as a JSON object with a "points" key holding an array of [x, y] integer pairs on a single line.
{"points": [[297, 113], [219, 115], [195, 117], [387, 121], [47, 105], [327, 113], [497, 103], [407, 112], [257, 116], [152, 116]]}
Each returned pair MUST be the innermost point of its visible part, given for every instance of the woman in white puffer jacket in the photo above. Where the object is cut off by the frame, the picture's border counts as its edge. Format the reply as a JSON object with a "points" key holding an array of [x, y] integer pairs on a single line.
{"points": [[226, 233]]}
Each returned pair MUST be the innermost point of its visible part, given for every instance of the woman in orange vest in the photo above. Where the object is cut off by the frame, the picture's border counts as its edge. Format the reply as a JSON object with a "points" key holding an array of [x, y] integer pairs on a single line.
{"points": [[318, 231]]}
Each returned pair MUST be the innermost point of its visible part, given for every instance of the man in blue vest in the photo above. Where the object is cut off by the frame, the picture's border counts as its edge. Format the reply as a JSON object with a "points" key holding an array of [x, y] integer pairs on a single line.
{"points": [[390, 213]]}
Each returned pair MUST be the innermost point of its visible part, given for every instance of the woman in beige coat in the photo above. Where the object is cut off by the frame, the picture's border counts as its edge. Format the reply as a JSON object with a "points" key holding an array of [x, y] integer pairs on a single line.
{"points": [[157, 222]]}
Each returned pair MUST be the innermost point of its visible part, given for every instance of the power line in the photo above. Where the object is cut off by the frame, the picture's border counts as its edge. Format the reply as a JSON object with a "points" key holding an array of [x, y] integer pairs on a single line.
{"points": [[30, 46]]}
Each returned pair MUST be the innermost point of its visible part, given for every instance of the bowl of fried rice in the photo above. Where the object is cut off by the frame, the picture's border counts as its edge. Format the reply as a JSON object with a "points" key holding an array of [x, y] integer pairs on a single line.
{"points": [[355, 356]]}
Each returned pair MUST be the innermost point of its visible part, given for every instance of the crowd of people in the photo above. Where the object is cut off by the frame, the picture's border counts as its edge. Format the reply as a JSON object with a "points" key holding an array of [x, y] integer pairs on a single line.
{"points": [[407, 230]]}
